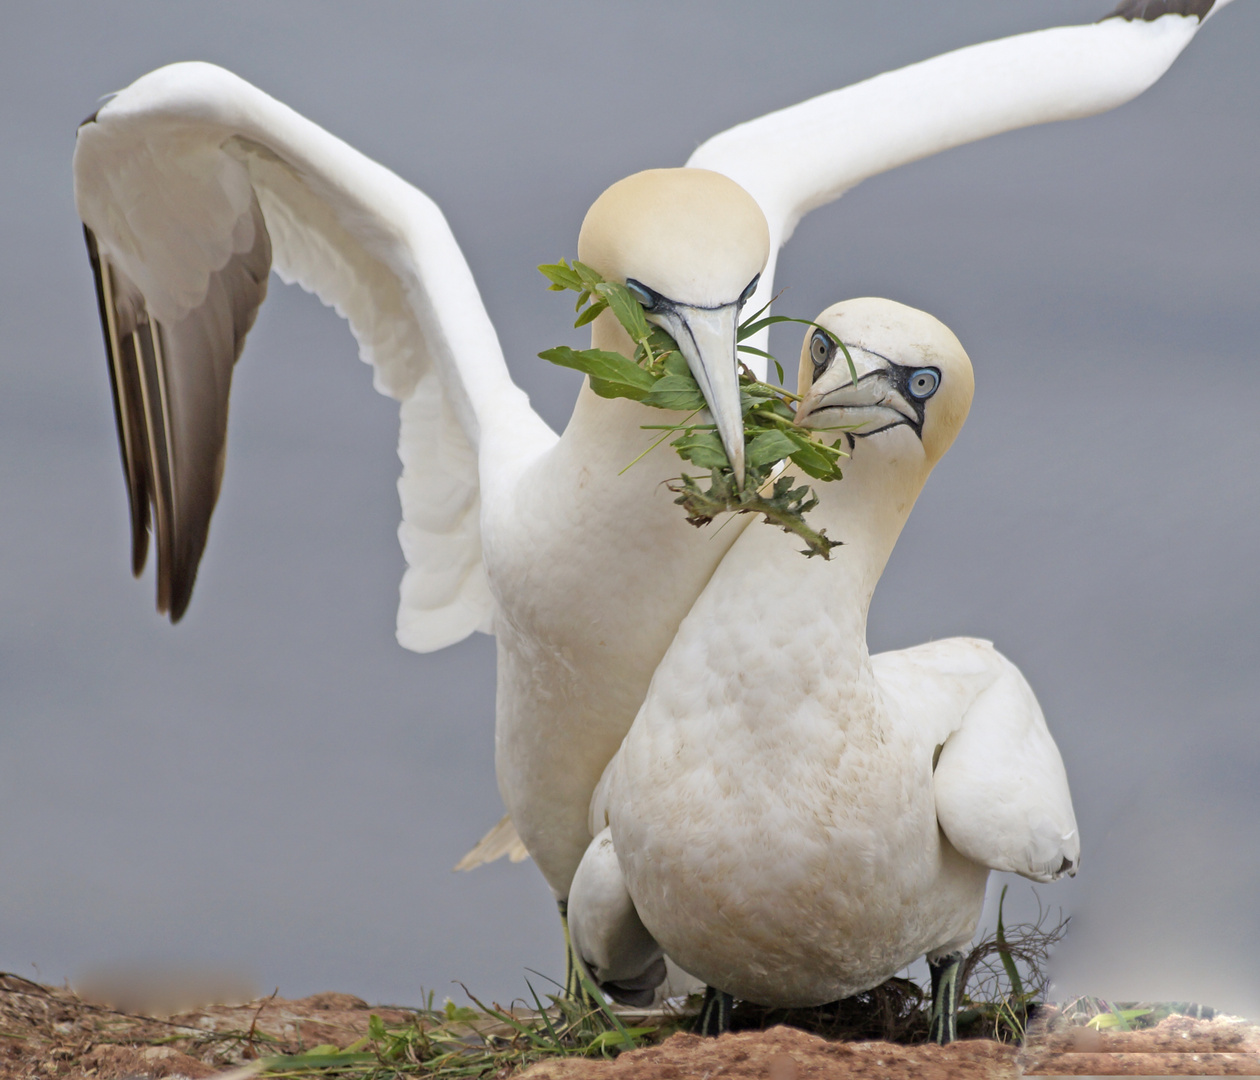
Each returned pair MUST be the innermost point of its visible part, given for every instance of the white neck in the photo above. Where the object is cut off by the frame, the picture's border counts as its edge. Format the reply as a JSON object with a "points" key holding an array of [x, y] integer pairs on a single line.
{"points": [[812, 612], [610, 429], [867, 510]]}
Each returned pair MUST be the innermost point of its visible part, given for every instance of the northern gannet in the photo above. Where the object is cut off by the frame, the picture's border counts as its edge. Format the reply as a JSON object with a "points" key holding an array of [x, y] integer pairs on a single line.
{"points": [[173, 177], [796, 820]]}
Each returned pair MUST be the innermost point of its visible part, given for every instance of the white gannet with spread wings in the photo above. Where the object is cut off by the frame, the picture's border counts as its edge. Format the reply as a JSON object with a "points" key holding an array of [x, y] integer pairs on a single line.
{"points": [[191, 183]]}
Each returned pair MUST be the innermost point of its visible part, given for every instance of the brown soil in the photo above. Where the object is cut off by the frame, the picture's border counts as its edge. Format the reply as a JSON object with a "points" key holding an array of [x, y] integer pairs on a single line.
{"points": [[1177, 1045], [784, 1053], [50, 1033]]}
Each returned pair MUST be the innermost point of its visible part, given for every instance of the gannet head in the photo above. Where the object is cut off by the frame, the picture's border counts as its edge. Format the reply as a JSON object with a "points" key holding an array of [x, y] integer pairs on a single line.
{"points": [[912, 375], [690, 244]]}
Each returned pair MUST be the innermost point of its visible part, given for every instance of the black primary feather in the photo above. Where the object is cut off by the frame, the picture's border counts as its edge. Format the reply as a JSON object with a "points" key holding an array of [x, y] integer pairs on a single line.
{"points": [[1150, 10]]}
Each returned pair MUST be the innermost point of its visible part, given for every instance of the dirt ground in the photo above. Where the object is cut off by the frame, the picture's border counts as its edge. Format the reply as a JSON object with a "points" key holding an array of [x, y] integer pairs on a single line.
{"points": [[49, 1033], [1177, 1046], [784, 1053]]}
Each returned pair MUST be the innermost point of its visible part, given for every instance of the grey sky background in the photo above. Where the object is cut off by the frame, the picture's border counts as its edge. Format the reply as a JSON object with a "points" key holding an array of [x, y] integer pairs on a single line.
{"points": [[276, 787]]}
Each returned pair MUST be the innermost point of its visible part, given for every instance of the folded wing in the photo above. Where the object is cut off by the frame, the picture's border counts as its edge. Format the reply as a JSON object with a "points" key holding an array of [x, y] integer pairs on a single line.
{"points": [[1002, 794], [192, 184]]}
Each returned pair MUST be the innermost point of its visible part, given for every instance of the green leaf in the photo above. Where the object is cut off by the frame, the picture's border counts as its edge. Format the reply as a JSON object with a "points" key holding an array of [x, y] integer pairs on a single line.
{"points": [[659, 376], [814, 466], [678, 392], [660, 341], [461, 1014], [774, 407], [769, 447], [562, 276], [590, 278], [743, 330], [703, 448], [749, 328], [817, 460], [591, 313], [607, 1040], [676, 363], [1117, 1018], [627, 1039], [542, 1013], [761, 392], [611, 374], [628, 310], [785, 506]]}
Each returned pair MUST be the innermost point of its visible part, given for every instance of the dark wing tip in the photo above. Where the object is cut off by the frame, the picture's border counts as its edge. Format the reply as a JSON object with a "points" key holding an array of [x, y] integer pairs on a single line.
{"points": [[139, 546], [179, 589], [170, 386], [1150, 10], [196, 356], [123, 375], [91, 119]]}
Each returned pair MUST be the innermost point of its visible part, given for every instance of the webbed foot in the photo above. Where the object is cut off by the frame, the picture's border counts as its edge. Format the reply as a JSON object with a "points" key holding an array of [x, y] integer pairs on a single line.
{"points": [[715, 1013], [943, 1027]]}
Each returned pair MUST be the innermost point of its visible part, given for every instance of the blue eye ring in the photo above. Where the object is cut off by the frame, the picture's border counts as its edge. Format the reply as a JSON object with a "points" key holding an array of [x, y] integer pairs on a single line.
{"points": [[646, 297], [820, 348], [923, 383]]}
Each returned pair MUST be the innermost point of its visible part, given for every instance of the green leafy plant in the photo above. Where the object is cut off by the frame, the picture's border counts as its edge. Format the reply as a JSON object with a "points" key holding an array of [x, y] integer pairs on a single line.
{"points": [[1121, 1019], [658, 376], [1103, 1015], [457, 1041], [1004, 996]]}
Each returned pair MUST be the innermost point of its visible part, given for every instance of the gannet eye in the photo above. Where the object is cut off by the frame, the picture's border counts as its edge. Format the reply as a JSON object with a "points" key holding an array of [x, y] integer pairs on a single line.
{"points": [[923, 383], [643, 294], [749, 289], [819, 352]]}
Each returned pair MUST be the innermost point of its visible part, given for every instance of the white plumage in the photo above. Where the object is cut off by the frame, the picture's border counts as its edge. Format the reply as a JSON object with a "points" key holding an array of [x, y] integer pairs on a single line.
{"points": [[795, 819], [176, 175]]}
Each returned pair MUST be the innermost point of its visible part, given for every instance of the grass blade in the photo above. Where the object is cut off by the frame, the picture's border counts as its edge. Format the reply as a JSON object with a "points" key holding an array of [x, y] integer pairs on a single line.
{"points": [[1004, 950]]}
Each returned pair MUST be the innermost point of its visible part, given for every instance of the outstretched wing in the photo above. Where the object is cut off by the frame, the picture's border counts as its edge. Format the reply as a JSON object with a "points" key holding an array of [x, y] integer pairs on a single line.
{"points": [[1002, 794], [802, 157], [192, 184]]}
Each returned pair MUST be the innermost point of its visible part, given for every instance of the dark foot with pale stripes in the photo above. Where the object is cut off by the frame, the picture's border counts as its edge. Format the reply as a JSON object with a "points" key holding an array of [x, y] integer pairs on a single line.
{"points": [[943, 1027], [715, 1013]]}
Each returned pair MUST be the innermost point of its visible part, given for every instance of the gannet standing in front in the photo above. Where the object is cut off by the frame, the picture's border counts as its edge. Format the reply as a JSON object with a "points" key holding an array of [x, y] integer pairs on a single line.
{"points": [[192, 183], [796, 820]]}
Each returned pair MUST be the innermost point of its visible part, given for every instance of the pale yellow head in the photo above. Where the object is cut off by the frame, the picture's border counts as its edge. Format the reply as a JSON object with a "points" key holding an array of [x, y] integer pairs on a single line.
{"points": [[693, 236], [690, 244], [912, 374]]}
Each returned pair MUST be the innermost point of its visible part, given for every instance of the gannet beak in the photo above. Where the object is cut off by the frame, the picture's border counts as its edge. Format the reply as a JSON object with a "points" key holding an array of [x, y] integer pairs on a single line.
{"points": [[706, 337], [874, 403]]}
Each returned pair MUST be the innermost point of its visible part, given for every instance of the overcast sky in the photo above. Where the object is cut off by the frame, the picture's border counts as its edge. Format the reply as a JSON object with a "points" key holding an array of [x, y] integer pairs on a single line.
{"points": [[276, 787]]}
